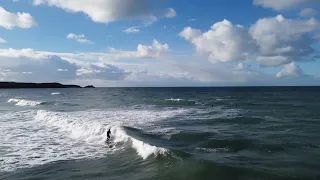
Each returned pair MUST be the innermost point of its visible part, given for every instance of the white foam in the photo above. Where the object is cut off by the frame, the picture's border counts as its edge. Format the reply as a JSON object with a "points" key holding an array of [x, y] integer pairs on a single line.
{"points": [[36, 137], [23, 102], [175, 99], [96, 131], [143, 149], [26, 143], [56, 93]]}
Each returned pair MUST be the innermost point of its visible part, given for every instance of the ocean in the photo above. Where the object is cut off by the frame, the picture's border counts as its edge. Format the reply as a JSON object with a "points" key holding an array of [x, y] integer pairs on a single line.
{"points": [[160, 133]]}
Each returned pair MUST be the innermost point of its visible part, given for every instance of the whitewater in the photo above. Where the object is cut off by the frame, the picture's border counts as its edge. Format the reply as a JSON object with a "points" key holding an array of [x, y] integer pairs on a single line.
{"points": [[73, 135]]}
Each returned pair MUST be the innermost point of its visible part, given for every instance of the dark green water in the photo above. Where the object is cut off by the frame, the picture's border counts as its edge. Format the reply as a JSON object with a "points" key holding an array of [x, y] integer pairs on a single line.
{"points": [[161, 133]]}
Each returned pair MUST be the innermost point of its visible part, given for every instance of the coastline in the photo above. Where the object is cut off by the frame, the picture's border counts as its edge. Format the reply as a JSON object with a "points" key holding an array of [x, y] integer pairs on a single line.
{"points": [[22, 85]]}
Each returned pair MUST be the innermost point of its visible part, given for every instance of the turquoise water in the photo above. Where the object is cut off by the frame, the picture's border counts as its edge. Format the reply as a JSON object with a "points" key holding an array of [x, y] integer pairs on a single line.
{"points": [[160, 133]]}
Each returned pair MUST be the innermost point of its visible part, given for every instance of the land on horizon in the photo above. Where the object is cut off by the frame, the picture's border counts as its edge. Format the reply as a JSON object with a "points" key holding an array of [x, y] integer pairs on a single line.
{"points": [[14, 85]]}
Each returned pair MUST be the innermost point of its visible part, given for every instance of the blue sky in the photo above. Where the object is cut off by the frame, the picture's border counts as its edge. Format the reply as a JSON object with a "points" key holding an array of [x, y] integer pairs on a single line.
{"points": [[252, 42]]}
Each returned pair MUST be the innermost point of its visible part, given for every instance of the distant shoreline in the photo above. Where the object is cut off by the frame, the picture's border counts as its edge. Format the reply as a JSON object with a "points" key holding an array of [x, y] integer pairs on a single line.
{"points": [[23, 85]]}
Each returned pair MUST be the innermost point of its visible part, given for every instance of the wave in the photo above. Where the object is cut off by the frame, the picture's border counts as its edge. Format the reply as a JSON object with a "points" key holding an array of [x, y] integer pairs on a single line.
{"points": [[38, 137], [95, 132], [23, 102], [143, 149], [55, 93]]}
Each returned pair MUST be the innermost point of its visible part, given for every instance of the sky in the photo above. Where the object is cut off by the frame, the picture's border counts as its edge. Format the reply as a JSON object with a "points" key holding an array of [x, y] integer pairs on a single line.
{"points": [[131, 43]]}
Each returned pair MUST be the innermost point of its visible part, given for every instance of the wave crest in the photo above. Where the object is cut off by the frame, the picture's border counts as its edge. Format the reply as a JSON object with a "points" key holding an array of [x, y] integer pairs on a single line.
{"points": [[96, 132], [23, 102], [55, 93]]}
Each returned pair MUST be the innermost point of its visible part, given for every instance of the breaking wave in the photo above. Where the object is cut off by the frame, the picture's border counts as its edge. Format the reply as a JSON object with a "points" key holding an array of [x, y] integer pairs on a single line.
{"points": [[55, 93], [46, 136], [23, 102], [96, 132]]}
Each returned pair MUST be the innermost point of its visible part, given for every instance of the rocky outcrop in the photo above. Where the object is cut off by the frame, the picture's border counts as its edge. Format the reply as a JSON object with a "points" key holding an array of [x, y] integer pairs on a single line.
{"points": [[16, 85]]}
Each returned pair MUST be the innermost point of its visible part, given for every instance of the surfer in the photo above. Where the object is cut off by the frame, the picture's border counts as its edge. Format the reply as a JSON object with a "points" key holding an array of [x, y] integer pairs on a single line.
{"points": [[108, 135]]}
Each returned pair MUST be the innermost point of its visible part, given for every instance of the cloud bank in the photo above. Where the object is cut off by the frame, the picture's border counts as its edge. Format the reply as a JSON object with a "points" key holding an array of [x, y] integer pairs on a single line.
{"points": [[269, 42], [105, 11]]}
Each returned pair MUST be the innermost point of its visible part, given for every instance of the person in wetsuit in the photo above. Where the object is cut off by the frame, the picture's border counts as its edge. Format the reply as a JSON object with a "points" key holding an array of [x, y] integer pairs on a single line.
{"points": [[108, 135]]}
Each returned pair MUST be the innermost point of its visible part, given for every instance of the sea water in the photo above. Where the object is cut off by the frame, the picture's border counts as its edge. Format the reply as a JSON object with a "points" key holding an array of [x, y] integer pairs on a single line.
{"points": [[160, 133]]}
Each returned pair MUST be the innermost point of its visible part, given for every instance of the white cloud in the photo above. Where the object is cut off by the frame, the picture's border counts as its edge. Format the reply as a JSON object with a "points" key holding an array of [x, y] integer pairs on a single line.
{"points": [[285, 4], [290, 70], [192, 19], [10, 20], [283, 40], [79, 38], [188, 33], [104, 71], [308, 12], [155, 51], [132, 30], [224, 42], [30, 65], [2, 41], [171, 13], [104, 11], [269, 42]]}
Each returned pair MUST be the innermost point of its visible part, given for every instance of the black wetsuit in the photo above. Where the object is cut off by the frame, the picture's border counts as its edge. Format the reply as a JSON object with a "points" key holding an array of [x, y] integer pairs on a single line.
{"points": [[108, 134]]}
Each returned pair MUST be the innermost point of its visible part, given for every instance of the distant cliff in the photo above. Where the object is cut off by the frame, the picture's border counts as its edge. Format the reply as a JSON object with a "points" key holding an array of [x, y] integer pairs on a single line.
{"points": [[14, 85]]}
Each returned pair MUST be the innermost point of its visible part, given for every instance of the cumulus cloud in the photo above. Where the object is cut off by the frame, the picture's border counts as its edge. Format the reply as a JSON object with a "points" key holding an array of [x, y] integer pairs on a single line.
{"points": [[10, 20], [104, 11], [290, 70], [2, 41], [283, 40], [270, 41], [308, 12], [285, 4], [132, 30], [189, 34], [224, 42], [79, 38], [156, 50]]}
